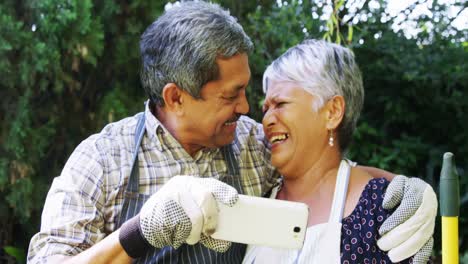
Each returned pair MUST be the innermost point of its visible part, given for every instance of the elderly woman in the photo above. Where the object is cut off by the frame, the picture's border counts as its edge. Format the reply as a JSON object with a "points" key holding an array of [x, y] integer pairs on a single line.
{"points": [[314, 95]]}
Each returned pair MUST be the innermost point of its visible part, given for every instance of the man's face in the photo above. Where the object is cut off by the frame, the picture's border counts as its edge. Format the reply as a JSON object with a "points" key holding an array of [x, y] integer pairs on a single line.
{"points": [[211, 120]]}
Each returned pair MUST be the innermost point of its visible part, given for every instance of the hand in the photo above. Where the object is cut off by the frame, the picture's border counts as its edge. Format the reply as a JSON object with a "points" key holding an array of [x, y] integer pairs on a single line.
{"points": [[408, 230], [184, 210]]}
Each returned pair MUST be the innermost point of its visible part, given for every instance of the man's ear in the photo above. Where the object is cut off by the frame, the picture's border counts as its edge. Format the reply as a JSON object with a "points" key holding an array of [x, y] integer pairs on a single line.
{"points": [[173, 97], [335, 109]]}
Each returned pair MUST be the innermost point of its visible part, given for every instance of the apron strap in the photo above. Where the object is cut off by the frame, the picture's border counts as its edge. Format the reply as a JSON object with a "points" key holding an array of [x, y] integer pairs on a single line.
{"points": [[341, 189], [233, 177], [129, 206], [230, 158], [133, 181]]}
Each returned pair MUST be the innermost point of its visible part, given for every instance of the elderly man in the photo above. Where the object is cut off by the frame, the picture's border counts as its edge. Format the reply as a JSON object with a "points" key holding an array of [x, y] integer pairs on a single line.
{"points": [[119, 198]]}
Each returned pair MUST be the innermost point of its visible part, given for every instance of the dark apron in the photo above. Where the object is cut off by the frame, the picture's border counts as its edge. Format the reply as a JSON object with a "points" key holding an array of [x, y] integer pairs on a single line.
{"points": [[133, 201]]}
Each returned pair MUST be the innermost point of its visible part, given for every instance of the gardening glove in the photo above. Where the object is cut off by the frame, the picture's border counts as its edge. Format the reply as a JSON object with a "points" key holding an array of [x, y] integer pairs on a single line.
{"points": [[184, 210], [408, 230]]}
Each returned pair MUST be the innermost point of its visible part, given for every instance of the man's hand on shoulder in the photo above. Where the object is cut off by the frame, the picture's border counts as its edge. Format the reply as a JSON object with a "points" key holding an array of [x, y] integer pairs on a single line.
{"points": [[408, 230]]}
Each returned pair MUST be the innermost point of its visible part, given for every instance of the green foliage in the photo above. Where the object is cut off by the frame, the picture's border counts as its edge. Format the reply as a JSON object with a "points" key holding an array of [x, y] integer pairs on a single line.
{"points": [[70, 67], [334, 23], [64, 66], [268, 27], [18, 253]]}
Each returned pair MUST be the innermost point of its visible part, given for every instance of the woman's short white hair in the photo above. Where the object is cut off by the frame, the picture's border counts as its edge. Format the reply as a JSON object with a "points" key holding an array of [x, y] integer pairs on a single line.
{"points": [[323, 69]]}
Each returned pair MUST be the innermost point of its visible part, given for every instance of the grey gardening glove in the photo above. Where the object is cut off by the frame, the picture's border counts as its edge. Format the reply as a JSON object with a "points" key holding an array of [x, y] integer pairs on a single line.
{"points": [[408, 230], [184, 210]]}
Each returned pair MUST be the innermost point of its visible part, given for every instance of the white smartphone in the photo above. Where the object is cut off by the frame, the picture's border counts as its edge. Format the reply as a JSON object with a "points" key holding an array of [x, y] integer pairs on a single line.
{"points": [[264, 222]]}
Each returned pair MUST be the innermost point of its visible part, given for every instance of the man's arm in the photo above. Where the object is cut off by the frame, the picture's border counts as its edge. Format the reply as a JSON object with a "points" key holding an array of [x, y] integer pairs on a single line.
{"points": [[108, 250], [73, 219], [408, 230], [378, 173], [184, 210]]}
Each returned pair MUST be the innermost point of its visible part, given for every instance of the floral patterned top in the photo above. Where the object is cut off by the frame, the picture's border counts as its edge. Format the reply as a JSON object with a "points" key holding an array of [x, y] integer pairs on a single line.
{"points": [[359, 231]]}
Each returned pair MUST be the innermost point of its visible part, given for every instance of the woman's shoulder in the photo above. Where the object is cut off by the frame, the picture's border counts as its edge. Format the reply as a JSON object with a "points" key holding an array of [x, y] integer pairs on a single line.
{"points": [[369, 214], [370, 200], [359, 232], [374, 191], [375, 185]]}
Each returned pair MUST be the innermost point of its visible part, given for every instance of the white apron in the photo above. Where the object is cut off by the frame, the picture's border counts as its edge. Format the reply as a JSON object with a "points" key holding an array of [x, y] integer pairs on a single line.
{"points": [[322, 242]]}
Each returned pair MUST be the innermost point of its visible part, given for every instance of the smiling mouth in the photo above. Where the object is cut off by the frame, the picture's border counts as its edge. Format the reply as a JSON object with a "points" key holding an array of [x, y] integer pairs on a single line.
{"points": [[230, 123], [279, 138]]}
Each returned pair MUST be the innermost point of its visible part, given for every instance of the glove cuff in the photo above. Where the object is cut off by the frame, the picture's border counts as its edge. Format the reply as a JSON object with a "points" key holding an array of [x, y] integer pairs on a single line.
{"points": [[131, 238]]}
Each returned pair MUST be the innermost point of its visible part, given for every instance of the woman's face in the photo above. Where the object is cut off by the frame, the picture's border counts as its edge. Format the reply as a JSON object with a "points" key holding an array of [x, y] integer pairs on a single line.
{"points": [[296, 132]]}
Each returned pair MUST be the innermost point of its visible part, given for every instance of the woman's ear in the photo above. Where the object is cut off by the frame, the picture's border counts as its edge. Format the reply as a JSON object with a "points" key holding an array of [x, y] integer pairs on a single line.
{"points": [[335, 109], [173, 97]]}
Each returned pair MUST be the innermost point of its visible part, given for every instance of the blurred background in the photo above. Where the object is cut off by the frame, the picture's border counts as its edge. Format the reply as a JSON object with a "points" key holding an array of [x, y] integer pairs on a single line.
{"points": [[67, 68]]}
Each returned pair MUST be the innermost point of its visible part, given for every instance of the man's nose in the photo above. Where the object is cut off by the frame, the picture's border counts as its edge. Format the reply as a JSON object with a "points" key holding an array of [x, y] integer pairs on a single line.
{"points": [[242, 105]]}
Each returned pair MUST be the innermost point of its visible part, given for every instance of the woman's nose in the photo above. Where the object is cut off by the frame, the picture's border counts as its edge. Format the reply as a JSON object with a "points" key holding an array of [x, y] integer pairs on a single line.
{"points": [[268, 119]]}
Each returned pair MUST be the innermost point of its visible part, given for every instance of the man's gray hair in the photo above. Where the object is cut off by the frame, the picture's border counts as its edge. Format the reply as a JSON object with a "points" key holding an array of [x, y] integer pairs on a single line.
{"points": [[182, 46], [324, 70]]}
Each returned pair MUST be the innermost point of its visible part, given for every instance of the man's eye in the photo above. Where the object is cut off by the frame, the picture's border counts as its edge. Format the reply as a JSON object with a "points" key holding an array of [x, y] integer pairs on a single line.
{"points": [[231, 98]]}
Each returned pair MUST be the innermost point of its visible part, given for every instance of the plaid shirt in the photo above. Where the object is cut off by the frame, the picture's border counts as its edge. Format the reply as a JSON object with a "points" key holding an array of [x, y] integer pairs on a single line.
{"points": [[84, 203]]}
